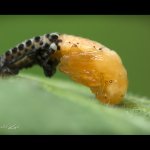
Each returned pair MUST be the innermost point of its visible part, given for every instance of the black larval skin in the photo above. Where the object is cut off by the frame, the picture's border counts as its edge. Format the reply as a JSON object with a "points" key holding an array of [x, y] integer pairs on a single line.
{"points": [[35, 51]]}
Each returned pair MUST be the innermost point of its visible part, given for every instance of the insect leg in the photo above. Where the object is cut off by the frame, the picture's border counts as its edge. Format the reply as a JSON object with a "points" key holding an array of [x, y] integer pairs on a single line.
{"points": [[48, 65], [49, 68]]}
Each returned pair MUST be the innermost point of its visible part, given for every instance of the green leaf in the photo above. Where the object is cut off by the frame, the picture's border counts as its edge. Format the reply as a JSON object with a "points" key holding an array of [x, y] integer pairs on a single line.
{"points": [[36, 105]]}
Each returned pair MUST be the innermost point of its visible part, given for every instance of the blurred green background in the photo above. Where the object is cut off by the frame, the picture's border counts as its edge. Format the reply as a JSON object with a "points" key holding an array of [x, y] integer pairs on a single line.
{"points": [[128, 35]]}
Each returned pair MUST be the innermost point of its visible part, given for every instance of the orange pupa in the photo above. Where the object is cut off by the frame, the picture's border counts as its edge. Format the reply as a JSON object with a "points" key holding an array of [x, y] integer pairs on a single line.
{"points": [[94, 65], [85, 61]]}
